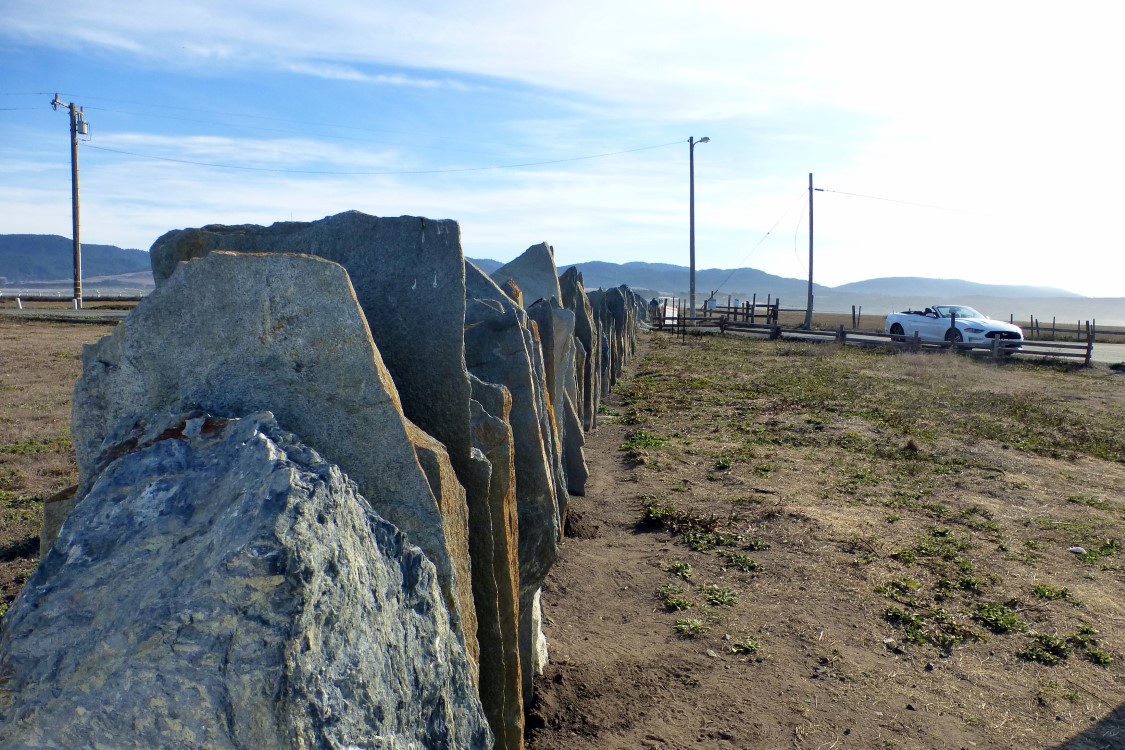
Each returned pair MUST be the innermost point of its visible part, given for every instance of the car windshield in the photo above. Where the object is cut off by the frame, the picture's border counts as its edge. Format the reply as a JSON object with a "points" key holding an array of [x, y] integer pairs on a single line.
{"points": [[948, 311]]}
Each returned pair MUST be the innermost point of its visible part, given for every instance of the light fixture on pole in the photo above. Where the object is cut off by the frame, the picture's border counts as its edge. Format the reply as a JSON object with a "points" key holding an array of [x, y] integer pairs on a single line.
{"points": [[691, 221]]}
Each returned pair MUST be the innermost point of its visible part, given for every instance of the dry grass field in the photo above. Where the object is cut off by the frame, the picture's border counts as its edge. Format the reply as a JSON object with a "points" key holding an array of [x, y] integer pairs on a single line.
{"points": [[39, 363], [786, 545]]}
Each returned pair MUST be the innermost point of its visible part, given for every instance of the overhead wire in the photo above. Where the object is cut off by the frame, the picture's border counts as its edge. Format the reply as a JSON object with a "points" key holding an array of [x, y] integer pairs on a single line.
{"points": [[759, 243], [895, 200]]}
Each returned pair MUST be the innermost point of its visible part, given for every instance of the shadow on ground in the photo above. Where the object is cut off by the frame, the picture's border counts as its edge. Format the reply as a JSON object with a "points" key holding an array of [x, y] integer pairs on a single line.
{"points": [[1107, 734]]}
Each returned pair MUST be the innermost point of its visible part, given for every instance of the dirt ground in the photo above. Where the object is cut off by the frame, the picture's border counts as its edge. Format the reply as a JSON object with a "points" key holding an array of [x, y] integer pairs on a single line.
{"points": [[785, 546], [799, 647]]}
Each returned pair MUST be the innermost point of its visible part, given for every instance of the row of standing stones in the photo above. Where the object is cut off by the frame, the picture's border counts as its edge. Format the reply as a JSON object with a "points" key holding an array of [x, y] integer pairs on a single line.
{"points": [[323, 473]]}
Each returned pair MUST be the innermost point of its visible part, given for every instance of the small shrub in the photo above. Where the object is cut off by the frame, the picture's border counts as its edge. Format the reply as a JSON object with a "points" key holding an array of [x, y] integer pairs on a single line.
{"points": [[745, 646], [999, 618], [642, 440], [690, 628], [718, 596], [742, 562], [672, 599], [1089, 501], [1044, 648], [1108, 547], [681, 569], [1043, 591], [1098, 656], [703, 541]]}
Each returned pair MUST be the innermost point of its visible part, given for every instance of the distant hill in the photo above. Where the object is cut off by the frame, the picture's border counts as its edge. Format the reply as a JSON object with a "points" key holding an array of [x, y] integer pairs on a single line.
{"points": [[30, 258], [38, 261], [942, 289], [671, 280], [486, 265]]}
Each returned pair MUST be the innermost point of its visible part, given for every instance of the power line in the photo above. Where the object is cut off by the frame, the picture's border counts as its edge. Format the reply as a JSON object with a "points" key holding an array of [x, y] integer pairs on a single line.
{"points": [[894, 200], [763, 239], [389, 172]]}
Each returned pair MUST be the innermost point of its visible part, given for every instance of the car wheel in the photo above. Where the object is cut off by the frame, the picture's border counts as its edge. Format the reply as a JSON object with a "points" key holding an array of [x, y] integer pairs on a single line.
{"points": [[954, 336], [896, 330]]}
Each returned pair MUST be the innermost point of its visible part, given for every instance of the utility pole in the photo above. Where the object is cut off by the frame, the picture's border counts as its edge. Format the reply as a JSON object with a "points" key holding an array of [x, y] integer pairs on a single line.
{"points": [[692, 143], [808, 310], [78, 126]]}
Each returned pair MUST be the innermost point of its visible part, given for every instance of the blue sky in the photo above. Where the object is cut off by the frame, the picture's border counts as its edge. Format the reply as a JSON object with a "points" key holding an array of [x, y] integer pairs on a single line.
{"points": [[956, 140]]}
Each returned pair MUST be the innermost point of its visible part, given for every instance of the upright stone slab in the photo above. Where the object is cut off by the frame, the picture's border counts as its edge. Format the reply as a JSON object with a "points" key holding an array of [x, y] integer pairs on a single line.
{"points": [[574, 298], [222, 586], [454, 511], [534, 272], [500, 349], [409, 277], [556, 330], [605, 339], [234, 334], [496, 588], [574, 450]]}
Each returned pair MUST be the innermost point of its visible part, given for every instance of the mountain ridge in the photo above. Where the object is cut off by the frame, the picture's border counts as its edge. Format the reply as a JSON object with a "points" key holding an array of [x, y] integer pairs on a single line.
{"points": [[38, 259]]}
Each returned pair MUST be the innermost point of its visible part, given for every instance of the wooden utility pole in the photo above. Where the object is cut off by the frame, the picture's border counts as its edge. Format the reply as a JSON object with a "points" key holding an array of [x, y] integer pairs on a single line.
{"points": [[78, 127], [808, 310]]}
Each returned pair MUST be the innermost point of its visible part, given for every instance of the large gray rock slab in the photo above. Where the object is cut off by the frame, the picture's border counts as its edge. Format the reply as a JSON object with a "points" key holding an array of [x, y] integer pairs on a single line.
{"points": [[494, 540], [535, 274], [234, 334], [409, 277], [223, 586]]}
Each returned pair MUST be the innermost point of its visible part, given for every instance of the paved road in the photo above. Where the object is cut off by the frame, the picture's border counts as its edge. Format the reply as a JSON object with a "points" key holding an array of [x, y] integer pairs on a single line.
{"points": [[1109, 353]]}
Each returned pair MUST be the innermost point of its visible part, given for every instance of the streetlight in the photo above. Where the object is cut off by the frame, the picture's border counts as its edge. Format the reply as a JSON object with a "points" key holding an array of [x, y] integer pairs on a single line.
{"points": [[692, 143]]}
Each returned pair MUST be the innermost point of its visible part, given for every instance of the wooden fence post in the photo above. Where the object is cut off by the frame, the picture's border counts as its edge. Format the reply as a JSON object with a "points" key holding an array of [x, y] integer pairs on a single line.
{"points": [[916, 344], [1089, 344], [996, 347], [841, 337], [754, 309]]}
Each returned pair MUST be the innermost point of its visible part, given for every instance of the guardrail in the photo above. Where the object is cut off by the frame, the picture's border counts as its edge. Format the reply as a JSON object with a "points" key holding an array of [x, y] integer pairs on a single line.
{"points": [[998, 348], [20, 298]]}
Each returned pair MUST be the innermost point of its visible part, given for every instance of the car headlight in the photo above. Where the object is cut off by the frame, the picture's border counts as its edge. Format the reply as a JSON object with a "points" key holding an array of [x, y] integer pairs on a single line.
{"points": [[974, 330]]}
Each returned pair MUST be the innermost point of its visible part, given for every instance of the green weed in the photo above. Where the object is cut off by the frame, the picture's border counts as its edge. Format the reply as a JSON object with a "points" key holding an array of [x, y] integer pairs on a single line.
{"points": [[998, 618], [718, 596], [742, 562], [1046, 649], [690, 628]]}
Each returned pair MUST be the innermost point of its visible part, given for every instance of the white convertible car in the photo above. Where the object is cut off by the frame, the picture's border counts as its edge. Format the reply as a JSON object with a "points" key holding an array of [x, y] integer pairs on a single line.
{"points": [[953, 323]]}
